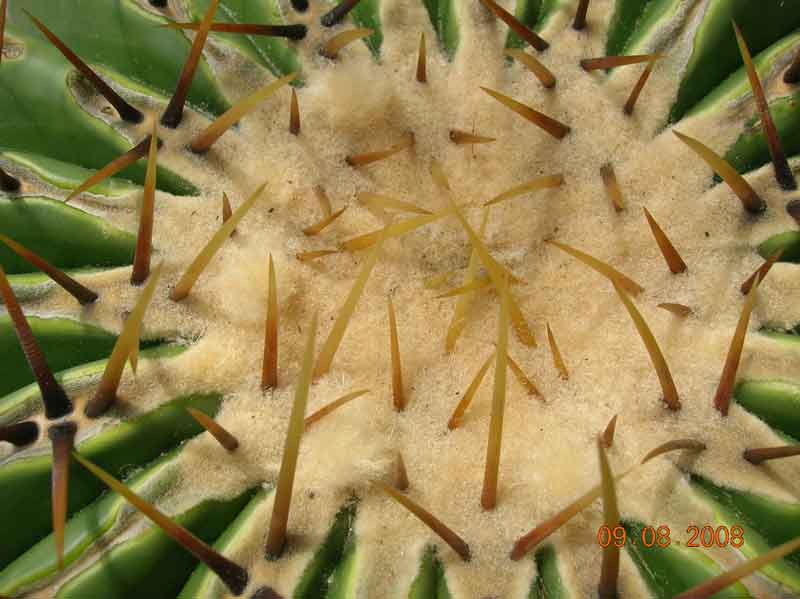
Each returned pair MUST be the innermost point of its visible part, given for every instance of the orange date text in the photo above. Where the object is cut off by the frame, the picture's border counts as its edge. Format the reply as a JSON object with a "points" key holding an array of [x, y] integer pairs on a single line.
{"points": [[661, 536]]}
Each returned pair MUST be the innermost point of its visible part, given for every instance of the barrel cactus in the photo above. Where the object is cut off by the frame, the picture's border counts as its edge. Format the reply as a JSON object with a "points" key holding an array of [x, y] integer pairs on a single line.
{"points": [[399, 298]]}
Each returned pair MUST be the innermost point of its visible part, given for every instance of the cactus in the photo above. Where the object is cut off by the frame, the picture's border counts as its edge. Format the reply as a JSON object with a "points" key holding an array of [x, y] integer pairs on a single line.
{"points": [[188, 186]]}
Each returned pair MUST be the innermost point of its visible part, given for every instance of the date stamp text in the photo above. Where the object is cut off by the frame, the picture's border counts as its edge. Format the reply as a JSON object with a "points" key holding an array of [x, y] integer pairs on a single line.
{"points": [[661, 536]]}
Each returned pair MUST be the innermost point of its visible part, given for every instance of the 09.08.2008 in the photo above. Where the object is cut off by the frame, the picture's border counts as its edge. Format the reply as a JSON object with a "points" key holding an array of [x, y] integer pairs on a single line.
{"points": [[699, 536]]}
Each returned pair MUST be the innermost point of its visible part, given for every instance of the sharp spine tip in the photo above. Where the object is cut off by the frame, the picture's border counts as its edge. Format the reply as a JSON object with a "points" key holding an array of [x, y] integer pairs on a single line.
{"points": [[422, 60], [630, 103], [144, 238], [227, 211], [62, 438], [558, 359], [783, 172], [401, 474], [609, 432], [727, 380], [673, 259], [294, 114], [398, 393]]}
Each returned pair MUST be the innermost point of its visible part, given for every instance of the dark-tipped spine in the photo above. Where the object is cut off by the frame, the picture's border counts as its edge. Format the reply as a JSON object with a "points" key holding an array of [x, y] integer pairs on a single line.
{"points": [[337, 14], [81, 293], [579, 23], [173, 115], [516, 26], [294, 115], [125, 110], [783, 172], [55, 400], [422, 60], [62, 437]]}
